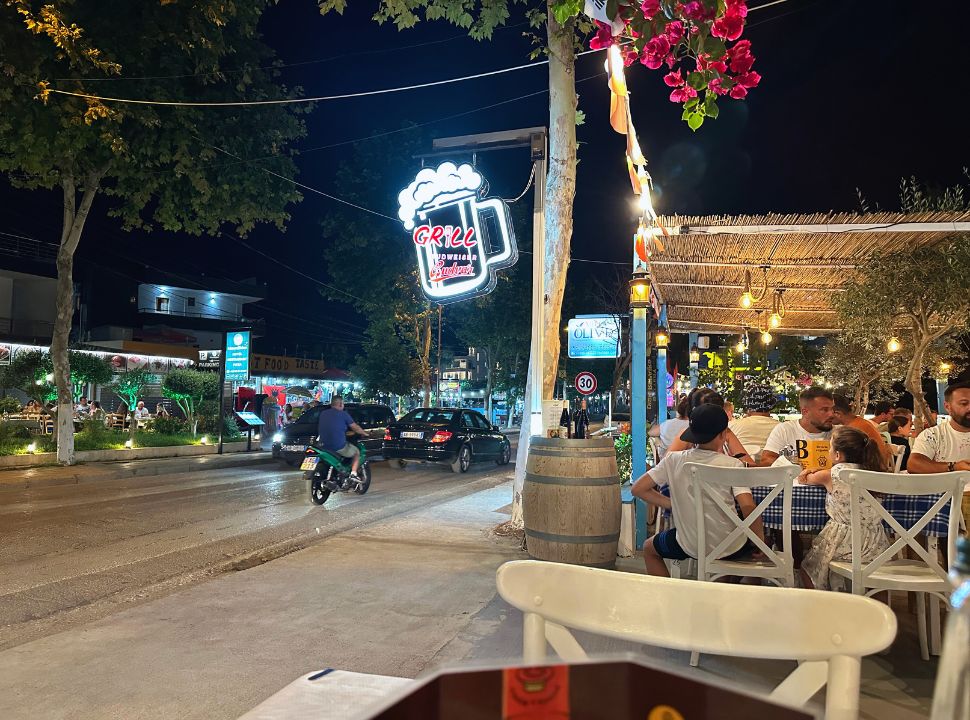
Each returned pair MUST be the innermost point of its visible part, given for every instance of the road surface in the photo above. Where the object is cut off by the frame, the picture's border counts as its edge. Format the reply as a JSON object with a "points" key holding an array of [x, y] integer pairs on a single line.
{"points": [[76, 553]]}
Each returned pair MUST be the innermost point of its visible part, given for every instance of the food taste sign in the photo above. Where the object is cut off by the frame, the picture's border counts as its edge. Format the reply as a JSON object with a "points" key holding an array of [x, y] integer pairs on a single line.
{"points": [[460, 240], [282, 365]]}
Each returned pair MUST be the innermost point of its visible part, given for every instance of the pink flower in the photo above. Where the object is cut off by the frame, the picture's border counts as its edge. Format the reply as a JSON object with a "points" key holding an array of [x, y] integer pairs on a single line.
{"points": [[748, 79], [738, 92], [655, 51], [682, 94], [630, 55], [729, 26], [675, 31], [674, 79], [704, 62], [603, 37], [737, 7], [649, 8], [740, 57], [670, 60], [692, 10], [715, 87]]}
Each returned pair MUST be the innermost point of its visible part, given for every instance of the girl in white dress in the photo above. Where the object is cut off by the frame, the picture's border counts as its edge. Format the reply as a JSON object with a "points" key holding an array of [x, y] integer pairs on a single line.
{"points": [[849, 448]]}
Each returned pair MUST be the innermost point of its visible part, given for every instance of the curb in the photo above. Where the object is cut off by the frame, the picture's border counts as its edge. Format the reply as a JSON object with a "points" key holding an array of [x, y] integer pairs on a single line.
{"points": [[49, 476]]}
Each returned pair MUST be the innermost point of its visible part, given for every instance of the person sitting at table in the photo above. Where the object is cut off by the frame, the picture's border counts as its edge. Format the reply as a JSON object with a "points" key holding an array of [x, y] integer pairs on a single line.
{"points": [[883, 414], [850, 449], [97, 412], [900, 430], [705, 436], [141, 413], [83, 409], [669, 430], [808, 436], [843, 414], [732, 446], [946, 447], [32, 408], [161, 411], [756, 425]]}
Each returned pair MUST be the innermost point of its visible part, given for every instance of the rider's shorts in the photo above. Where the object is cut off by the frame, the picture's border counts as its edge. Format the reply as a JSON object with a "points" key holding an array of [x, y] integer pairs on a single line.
{"points": [[348, 451]]}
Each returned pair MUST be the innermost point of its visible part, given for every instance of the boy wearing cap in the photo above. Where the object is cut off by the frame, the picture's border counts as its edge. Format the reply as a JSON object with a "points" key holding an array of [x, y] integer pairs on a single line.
{"points": [[708, 424]]}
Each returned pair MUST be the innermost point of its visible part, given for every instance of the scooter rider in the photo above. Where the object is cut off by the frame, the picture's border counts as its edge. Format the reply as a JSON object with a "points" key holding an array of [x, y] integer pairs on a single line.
{"points": [[332, 433]]}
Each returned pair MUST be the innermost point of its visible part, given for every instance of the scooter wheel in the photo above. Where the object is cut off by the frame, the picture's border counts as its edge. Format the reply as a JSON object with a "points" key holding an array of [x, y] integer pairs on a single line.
{"points": [[365, 480], [318, 494]]}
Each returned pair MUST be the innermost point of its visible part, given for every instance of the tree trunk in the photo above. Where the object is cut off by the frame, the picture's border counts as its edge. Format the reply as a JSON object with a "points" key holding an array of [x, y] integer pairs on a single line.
{"points": [[72, 225], [914, 384], [488, 383], [560, 192]]}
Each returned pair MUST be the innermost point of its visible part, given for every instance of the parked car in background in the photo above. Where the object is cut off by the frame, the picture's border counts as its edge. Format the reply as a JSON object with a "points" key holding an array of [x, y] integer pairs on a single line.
{"points": [[452, 436], [291, 442]]}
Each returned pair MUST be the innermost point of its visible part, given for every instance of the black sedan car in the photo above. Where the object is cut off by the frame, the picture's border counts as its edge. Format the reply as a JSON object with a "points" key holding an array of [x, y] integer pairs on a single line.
{"points": [[445, 435], [291, 442]]}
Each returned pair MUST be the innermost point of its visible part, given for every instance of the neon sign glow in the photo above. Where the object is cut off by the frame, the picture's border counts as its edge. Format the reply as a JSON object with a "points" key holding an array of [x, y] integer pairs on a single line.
{"points": [[460, 240]]}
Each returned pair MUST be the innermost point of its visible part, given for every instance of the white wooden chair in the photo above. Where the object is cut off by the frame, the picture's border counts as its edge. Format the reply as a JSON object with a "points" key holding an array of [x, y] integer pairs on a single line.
{"points": [[778, 566], [828, 633], [898, 453], [922, 574]]}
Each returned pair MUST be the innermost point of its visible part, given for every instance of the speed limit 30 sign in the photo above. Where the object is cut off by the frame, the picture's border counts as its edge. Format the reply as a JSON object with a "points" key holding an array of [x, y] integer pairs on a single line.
{"points": [[585, 383]]}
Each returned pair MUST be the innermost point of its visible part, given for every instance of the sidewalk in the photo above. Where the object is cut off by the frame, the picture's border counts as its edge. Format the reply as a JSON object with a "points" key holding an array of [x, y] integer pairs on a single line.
{"points": [[48, 475]]}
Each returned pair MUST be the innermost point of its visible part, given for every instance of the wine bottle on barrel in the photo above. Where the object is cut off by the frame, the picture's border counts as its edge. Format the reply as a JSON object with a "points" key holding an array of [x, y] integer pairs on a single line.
{"points": [[581, 422], [565, 429]]}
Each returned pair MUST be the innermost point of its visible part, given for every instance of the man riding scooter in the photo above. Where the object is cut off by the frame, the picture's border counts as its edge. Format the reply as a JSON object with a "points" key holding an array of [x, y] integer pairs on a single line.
{"points": [[332, 433]]}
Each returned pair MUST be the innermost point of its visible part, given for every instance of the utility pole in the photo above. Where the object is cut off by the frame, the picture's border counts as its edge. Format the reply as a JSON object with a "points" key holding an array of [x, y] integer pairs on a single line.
{"points": [[437, 392]]}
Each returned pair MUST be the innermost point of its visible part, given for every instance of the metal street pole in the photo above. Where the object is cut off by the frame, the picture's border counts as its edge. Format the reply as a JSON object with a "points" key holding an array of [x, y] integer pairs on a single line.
{"points": [[437, 392], [540, 157], [662, 370], [694, 366], [222, 386]]}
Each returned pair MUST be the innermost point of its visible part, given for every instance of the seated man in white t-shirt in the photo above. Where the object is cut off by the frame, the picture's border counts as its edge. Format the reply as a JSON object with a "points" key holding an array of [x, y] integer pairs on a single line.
{"points": [[708, 425], [755, 427], [808, 437], [946, 447]]}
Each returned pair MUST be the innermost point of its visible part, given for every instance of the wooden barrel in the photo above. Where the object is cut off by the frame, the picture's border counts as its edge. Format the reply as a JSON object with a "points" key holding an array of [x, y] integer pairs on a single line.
{"points": [[571, 501]]}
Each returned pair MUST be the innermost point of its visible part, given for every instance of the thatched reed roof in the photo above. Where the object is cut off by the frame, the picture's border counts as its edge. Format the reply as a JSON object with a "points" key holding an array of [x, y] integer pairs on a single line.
{"points": [[700, 274]]}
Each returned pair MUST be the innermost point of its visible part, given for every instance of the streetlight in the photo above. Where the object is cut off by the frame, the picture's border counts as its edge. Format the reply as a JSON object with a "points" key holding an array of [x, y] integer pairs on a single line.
{"points": [[893, 345], [695, 355], [639, 291], [662, 338], [945, 368]]}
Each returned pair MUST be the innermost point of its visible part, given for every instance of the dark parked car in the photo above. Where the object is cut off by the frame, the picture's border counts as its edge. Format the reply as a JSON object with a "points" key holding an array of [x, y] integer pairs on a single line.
{"points": [[446, 435], [291, 442]]}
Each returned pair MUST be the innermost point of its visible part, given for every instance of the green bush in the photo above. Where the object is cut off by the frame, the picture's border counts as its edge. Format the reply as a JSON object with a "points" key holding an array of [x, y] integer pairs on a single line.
{"points": [[11, 431], [624, 457], [230, 430], [169, 426], [9, 405]]}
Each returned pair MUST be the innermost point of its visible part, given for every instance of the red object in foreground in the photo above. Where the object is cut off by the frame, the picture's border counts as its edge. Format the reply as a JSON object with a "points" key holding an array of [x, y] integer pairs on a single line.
{"points": [[442, 436], [617, 689]]}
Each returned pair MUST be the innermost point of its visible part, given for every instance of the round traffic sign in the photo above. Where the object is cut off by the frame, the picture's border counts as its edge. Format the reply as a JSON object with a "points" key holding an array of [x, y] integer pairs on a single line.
{"points": [[585, 383]]}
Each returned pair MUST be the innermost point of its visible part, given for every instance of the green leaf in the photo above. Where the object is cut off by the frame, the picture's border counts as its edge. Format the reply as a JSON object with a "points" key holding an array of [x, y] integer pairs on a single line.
{"points": [[695, 120], [710, 106], [612, 6], [696, 80], [715, 47], [692, 103], [580, 117]]}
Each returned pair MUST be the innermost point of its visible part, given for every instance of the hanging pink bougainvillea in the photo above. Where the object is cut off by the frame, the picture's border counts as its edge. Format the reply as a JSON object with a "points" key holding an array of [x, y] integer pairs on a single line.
{"points": [[698, 43]]}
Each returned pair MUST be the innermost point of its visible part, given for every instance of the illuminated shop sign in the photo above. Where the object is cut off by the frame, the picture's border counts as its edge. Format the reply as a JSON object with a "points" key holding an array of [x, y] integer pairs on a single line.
{"points": [[461, 240]]}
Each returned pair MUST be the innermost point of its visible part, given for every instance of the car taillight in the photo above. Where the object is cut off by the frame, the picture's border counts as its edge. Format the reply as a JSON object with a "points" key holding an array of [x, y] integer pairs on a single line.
{"points": [[387, 435], [442, 436]]}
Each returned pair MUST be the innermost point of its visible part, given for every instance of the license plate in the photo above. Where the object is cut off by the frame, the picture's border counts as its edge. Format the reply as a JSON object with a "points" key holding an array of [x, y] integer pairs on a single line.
{"points": [[294, 448], [309, 463], [412, 435]]}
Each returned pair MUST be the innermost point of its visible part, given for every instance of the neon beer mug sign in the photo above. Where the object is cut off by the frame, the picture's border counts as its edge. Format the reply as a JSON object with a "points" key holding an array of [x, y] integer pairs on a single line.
{"points": [[460, 240]]}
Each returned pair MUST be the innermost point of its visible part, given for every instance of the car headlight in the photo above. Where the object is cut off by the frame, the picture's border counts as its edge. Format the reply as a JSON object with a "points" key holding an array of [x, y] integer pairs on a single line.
{"points": [[278, 437]]}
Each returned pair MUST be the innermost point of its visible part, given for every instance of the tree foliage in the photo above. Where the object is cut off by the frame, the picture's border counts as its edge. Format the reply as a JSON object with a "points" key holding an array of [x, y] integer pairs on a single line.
{"points": [[31, 371], [180, 169], [386, 365], [921, 294], [189, 388]]}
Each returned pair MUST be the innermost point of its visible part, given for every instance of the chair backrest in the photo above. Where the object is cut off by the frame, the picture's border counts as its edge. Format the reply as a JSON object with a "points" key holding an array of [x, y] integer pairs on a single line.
{"points": [[862, 483], [898, 453], [712, 618], [656, 449], [705, 479]]}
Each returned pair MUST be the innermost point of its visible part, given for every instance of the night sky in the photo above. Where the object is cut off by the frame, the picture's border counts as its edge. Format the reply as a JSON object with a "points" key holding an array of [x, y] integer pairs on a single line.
{"points": [[854, 94]]}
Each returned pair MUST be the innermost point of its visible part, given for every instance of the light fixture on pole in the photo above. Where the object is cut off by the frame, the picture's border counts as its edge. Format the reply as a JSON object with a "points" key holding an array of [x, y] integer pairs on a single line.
{"points": [[894, 345], [945, 369], [777, 308], [639, 290], [748, 298], [662, 338], [695, 355]]}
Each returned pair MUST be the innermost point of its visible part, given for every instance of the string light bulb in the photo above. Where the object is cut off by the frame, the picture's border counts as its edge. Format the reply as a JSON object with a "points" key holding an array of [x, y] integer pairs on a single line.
{"points": [[766, 337], [894, 345], [748, 298], [777, 308]]}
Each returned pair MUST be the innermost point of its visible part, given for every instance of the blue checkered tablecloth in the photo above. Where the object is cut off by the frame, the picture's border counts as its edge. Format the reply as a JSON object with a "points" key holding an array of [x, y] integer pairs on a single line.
{"points": [[808, 510]]}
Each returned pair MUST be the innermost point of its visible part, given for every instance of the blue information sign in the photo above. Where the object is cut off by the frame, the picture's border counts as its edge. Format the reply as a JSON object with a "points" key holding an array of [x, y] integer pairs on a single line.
{"points": [[237, 355], [594, 336]]}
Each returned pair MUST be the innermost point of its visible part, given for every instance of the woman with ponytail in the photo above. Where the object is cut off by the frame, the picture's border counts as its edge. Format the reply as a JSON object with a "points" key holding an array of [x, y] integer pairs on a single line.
{"points": [[849, 449]]}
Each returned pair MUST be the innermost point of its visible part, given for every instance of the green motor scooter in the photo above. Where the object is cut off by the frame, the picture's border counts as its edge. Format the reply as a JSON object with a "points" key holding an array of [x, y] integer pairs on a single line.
{"points": [[327, 472]]}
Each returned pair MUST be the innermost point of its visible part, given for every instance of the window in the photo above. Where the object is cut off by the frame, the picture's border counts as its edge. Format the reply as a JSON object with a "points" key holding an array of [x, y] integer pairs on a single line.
{"points": [[429, 415], [191, 302], [473, 420], [161, 304]]}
